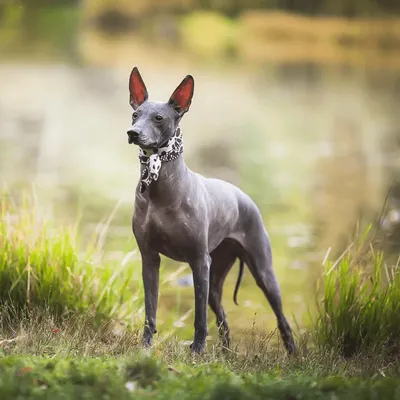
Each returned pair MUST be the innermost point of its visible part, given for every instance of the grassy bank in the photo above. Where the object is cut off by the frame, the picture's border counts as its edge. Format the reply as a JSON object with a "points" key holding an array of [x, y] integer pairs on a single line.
{"points": [[70, 327], [43, 266], [360, 307], [37, 378], [74, 360]]}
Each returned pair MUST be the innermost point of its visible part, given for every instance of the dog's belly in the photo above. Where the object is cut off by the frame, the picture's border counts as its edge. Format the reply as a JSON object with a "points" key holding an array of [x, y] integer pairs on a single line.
{"points": [[172, 253], [185, 251], [174, 241], [185, 235]]}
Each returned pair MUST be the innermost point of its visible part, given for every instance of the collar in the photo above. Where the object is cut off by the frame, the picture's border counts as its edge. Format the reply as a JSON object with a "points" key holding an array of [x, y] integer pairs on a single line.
{"points": [[153, 158]]}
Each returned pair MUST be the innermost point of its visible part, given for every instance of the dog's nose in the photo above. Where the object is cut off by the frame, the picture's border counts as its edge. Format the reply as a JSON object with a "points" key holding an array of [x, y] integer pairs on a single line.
{"points": [[132, 135]]}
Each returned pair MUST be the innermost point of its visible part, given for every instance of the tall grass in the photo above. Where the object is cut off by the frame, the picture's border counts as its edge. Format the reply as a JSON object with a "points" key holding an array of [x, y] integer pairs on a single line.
{"points": [[360, 309], [41, 266]]}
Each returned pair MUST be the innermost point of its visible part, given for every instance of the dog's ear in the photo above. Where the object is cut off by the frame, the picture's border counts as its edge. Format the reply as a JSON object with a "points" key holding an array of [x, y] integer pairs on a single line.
{"points": [[137, 89], [182, 96]]}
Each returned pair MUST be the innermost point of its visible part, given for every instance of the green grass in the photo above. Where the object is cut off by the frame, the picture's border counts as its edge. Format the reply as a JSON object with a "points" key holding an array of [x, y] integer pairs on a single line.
{"points": [[66, 328], [146, 377], [72, 359], [41, 265], [360, 309]]}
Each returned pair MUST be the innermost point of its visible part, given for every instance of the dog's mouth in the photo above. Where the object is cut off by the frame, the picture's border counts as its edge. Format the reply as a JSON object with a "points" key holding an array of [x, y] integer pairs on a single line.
{"points": [[148, 148], [144, 146]]}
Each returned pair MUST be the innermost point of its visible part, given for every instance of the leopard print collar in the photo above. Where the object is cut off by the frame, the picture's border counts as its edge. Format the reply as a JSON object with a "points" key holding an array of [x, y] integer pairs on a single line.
{"points": [[153, 158]]}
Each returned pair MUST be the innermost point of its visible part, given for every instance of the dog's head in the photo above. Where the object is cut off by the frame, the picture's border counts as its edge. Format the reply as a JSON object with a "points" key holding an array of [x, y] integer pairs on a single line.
{"points": [[153, 123]]}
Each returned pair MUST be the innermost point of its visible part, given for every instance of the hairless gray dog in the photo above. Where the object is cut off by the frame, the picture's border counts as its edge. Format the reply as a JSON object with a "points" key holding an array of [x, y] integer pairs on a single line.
{"points": [[208, 223]]}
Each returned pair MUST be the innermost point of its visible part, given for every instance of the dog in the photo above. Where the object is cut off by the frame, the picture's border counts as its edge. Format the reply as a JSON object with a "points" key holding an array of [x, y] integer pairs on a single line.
{"points": [[207, 223]]}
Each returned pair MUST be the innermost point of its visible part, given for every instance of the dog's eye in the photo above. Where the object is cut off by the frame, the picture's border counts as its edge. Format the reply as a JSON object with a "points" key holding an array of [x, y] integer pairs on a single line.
{"points": [[134, 115], [159, 117]]}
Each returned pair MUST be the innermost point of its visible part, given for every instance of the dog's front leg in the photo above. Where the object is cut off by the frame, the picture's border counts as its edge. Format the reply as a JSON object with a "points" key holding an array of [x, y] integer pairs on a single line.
{"points": [[150, 275], [201, 276]]}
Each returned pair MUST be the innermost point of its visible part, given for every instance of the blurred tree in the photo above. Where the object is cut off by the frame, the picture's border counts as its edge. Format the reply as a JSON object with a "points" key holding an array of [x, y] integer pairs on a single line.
{"points": [[41, 3], [51, 24], [232, 8], [348, 8]]}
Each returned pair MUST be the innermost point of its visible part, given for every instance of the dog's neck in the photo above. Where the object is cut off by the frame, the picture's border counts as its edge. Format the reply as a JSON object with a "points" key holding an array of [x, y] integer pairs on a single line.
{"points": [[162, 168]]}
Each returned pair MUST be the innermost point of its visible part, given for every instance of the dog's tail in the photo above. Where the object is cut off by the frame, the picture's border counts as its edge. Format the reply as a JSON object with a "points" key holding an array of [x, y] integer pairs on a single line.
{"points": [[239, 280]]}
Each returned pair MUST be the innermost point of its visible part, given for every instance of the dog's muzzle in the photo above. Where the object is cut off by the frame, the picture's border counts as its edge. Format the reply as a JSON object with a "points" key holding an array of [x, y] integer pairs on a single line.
{"points": [[133, 136]]}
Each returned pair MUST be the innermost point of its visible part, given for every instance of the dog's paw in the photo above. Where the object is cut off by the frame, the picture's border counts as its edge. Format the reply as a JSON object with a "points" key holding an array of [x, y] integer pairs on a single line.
{"points": [[197, 347], [291, 348], [147, 341]]}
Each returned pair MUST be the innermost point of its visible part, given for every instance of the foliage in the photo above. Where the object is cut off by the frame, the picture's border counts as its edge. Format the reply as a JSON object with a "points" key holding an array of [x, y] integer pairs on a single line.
{"points": [[360, 310], [41, 266], [39, 378]]}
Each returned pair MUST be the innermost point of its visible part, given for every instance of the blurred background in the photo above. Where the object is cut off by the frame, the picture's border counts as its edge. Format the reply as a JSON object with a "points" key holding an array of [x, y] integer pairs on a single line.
{"points": [[296, 102]]}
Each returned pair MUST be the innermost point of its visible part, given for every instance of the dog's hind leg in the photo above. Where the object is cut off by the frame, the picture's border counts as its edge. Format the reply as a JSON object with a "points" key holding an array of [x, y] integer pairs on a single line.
{"points": [[223, 257], [258, 257]]}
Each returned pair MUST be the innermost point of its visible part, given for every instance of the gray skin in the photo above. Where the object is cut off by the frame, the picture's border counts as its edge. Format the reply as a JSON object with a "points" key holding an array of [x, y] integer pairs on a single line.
{"points": [[207, 223]]}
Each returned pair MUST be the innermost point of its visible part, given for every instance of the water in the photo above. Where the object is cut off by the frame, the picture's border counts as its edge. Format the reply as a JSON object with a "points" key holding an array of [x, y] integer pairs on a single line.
{"points": [[314, 145]]}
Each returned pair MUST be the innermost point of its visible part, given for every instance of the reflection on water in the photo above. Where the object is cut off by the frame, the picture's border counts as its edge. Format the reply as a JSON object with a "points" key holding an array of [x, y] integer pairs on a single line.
{"points": [[314, 145]]}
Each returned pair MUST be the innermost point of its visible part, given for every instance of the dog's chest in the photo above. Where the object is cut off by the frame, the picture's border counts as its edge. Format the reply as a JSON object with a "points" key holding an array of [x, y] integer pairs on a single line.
{"points": [[167, 232]]}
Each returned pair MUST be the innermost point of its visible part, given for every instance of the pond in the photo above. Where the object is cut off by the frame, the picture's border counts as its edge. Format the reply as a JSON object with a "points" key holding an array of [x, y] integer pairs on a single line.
{"points": [[314, 144]]}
